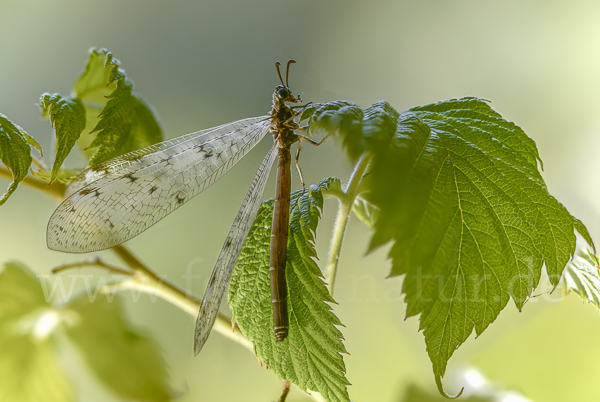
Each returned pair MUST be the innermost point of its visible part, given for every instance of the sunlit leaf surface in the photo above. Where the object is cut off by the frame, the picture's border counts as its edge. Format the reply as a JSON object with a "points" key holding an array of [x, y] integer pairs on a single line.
{"points": [[459, 194], [311, 355], [15, 152]]}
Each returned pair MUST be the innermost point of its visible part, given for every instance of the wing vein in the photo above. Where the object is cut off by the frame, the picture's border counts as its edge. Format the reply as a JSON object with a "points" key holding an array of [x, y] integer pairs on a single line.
{"points": [[113, 202]]}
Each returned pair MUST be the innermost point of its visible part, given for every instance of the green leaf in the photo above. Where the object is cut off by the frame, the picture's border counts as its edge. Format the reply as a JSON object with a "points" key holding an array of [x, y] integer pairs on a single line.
{"points": [[15, 152], [85, 140], [359, 130], [94, 84], [29, 366], [20, 293], [340, 117], [127, 122], [310, 356], [581, 276], [583, 231], [119, 120], [68, 119], [379, 126], [124, 359], [460, 194]]}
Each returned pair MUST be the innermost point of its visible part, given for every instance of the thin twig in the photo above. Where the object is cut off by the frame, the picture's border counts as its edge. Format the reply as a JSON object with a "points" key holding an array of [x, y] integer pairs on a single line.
{"points": [[132, 262], [96, 262]]}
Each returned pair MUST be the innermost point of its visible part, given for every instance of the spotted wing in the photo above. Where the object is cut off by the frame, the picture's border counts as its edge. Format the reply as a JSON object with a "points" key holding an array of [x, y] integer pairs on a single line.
{"points": [[114, 201], [219, 279]]}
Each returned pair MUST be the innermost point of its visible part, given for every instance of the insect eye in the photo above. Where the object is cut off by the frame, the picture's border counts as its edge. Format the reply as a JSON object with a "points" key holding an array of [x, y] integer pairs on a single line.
{"points": [[283, 93]]}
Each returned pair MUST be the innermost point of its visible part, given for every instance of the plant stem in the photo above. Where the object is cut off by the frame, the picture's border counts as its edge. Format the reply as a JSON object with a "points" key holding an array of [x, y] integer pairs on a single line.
{"points": [[96, 262], [144, 279], [341, 222], [55, 190]]}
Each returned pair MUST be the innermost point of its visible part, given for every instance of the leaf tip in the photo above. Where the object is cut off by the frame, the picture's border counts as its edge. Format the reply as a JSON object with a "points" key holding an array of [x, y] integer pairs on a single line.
{"points": [[440, 387]]}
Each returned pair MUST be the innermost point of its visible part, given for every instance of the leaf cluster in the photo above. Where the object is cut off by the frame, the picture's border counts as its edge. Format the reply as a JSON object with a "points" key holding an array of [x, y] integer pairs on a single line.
{"points": [[103, 115], [15, 152], [459, 195]]}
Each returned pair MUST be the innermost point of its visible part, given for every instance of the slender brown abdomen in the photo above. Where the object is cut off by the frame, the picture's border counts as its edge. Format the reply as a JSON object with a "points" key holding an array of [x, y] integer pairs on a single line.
{"points": [[279, 240]]}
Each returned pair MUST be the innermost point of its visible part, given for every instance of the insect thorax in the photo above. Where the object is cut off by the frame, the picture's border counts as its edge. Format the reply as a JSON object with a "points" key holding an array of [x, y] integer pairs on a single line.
{"points": [[282, 125]]}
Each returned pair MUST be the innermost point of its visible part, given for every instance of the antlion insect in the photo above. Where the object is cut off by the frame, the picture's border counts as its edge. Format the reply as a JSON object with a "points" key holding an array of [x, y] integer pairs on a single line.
{"points": [[114, 201]]}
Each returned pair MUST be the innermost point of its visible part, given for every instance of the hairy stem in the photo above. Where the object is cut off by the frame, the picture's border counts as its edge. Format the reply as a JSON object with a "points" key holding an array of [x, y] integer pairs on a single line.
{"points": [[341, 222]]}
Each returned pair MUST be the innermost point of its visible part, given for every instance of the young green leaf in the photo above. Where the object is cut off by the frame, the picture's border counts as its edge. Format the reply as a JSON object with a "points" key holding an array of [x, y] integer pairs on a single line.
{"points": [[460, 194], [310, 356], [581, 276], [94, 84], [583, 231], [127, 361], [85, 140], [127, 122], [30, 370], [338, 117], [15, 152], [68, 119]]}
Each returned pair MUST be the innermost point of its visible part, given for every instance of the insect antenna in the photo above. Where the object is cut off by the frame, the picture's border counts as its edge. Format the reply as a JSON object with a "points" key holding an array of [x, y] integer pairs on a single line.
{"points": [[287, 72], [277, 64]]}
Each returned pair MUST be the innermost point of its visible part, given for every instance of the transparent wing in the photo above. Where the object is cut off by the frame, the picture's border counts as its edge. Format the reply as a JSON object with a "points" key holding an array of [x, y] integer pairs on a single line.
{"points": [[219, 279], [114, 201]]}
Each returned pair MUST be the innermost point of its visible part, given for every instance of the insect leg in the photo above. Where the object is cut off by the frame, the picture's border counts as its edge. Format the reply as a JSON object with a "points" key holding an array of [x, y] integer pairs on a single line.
{"points": [[315, 143], [298, 165], [301, 106]]}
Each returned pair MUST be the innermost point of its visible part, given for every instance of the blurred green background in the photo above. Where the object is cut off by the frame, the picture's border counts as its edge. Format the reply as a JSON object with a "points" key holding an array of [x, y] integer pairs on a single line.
{"points": [[206, 63]]}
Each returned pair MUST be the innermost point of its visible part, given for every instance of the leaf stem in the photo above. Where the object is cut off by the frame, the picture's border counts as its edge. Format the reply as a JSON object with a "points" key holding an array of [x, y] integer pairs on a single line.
{"points": [[345, 207]]}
